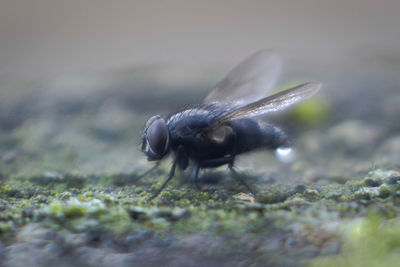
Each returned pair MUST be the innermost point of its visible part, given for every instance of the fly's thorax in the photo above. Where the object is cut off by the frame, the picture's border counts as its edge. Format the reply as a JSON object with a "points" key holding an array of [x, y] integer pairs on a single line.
{"points": [[188, 118], [186, 124]]}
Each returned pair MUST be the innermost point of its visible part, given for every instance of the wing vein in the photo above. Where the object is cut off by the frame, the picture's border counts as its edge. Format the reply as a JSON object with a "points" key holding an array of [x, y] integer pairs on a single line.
{"points": [[271, 103]]}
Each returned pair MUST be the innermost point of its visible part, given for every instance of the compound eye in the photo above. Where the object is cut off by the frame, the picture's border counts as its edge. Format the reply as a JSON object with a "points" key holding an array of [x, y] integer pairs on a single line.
{"points": [[157, 136]]}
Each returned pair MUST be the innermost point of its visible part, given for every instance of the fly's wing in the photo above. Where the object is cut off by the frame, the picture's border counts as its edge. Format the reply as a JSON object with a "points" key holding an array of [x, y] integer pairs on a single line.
{"points": [[268, 104], [249, 81]]}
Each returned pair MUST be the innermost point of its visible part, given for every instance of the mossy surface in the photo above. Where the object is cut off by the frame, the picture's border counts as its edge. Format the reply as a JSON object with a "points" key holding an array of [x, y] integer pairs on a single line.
{"points": [[225, 217], [71, 192]]}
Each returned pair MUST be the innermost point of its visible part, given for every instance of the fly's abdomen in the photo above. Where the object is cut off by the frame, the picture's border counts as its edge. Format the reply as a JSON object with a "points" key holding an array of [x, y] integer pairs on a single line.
{"points": [[273, 137], [251, 135]]}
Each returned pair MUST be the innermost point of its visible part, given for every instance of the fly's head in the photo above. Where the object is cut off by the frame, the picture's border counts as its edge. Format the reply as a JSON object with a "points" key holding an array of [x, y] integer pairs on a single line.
{"points": [[155, 139]]}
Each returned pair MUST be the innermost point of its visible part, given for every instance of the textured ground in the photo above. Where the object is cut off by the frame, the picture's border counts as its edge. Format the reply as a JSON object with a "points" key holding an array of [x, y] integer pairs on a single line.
{"points": [[69, 193]]}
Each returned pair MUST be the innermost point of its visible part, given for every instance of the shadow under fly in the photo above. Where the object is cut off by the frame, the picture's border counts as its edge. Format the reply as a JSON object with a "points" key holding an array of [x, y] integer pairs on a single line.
{"points": [[227, 123]]}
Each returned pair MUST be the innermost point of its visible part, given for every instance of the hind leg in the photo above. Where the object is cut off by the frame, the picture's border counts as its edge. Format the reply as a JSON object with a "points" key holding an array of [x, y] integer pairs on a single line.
{"points": [[238, 177], [196, 178], [226, 160]]}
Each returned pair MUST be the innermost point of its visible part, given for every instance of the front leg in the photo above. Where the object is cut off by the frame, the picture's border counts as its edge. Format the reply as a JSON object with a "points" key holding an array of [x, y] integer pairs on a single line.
{"points": [[148, 171], [170, 175]]}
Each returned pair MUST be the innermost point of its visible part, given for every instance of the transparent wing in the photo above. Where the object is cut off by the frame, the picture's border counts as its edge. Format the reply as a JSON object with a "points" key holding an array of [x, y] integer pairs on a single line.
{"points": [[249, 81], [271, 103]]}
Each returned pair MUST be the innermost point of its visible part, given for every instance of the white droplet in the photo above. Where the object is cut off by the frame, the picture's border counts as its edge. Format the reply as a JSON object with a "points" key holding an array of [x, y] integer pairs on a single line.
{"points": [[285, 154]]}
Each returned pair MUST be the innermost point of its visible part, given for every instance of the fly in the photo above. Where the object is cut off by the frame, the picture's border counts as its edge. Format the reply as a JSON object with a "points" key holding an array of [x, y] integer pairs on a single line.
{"points": [[227, 123]]}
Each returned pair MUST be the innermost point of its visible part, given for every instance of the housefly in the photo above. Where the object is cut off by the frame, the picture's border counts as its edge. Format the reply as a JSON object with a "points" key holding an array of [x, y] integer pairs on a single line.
{"points": [[227, 123]]}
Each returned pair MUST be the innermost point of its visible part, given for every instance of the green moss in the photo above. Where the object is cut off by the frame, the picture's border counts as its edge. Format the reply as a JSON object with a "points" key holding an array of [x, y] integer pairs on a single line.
{"points": [[387, 176], [366, 193], [384, 191], [74, 208], [372, 182], [70, 180], [6, 230], [222, 211], [373, 241], [271, 197], [4, 189], [311, 194]]}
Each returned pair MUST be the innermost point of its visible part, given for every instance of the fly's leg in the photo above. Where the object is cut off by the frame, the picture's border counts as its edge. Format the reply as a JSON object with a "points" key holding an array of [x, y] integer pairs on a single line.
{"points": [[196, 178], [237, 176], [211, 163], [148, 171], [170, 175], [226, 160]]}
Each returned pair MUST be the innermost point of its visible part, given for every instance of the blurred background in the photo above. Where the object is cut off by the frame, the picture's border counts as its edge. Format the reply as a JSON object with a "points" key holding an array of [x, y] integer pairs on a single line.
{"points": [[44, 39], [78, 79]]}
